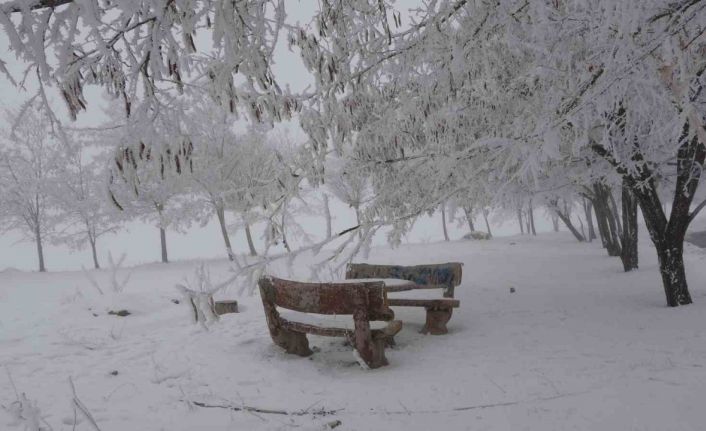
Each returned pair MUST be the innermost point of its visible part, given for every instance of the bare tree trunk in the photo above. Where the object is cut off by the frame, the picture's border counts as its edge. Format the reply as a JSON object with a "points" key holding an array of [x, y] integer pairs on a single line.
{"points": [[357, 220], [583, 232], [602, 224], [614, 232], [487, 225], [588, 208], [443, 221], [616, 214], [221, 214], [570, 226], [606, 220], [629, 251], [667, 234], [530, 213], [163, 242], [40, 249], [251, 245], [519, 219], [566, 219], [469, 217], [92, 241], [555, 222], [327, 213], [284, 234]]}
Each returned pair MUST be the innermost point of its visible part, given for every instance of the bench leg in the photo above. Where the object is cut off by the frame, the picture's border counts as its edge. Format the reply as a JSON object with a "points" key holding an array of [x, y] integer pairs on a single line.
{"points": [[378, 358], [372, 352], [293, 342], [436, 321], [371, 349]]}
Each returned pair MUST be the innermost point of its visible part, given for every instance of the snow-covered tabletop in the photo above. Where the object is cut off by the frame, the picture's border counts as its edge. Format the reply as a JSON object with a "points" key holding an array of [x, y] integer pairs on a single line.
{"points": [[391, 284]]}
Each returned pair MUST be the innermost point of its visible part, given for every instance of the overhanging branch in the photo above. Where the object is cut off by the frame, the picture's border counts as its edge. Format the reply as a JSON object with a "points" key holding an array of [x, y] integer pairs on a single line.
{"points": [[696, 211], [17, 6]]}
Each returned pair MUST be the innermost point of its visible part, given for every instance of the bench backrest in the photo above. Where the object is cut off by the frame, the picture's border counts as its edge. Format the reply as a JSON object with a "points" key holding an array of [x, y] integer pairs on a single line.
{"points": [[327, 298], [442, 274]]}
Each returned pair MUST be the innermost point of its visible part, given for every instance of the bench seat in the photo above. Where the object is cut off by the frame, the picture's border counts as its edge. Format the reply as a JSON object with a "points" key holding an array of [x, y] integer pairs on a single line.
{"points": [[341, 322]]}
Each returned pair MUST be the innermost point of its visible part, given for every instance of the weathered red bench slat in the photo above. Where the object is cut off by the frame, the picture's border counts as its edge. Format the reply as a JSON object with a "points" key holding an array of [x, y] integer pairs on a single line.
{"points": [[432, 303], [389, 330], [315, 330], [390, 288], [365, 301]]}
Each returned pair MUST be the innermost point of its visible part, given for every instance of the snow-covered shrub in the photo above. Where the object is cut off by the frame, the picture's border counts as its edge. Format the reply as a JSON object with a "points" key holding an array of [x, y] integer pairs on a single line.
{"points": [[116, 285], [199, 294], [25, 411]]}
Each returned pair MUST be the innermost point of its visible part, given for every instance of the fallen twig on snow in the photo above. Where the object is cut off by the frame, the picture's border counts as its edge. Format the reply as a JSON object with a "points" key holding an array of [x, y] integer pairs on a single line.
{"points": [[478, 406], [318, 412], [82, 407]]}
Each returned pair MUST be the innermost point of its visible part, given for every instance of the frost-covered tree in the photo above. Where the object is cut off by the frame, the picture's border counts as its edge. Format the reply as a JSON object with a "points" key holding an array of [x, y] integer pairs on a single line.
{"points": [[348, 183], [426, 101], [80, 194], [511, 86], [292, 175], [633, 98], [29, 157], [138, 50], [230, 171], [215, 163], [150, 171]]}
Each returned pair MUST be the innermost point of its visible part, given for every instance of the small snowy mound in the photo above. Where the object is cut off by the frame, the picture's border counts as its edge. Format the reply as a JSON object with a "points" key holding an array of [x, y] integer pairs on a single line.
{"points": [[11, 270], [477, 235]]}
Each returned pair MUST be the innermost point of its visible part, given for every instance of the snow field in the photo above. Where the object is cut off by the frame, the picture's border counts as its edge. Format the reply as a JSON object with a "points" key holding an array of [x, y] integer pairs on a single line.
{"points": [[579, 345]]}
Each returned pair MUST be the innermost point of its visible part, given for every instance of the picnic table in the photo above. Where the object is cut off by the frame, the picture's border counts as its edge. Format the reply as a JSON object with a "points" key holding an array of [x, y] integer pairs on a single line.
{"points": [[391, 284], [397, 278], [363, 295]]}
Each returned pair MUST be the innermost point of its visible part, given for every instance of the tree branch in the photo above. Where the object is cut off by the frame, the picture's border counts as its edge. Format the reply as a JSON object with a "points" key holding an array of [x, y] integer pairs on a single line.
{"points": [[16, 6], [696, 211], [678, 7], [305, 412]]}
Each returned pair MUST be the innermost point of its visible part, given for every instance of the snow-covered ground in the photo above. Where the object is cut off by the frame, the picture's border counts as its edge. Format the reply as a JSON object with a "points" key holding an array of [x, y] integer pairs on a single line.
{"points": [[579, 345]]}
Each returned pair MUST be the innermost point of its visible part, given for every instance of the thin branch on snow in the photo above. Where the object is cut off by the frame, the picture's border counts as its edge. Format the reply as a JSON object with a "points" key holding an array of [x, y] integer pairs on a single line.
{"points": [[305, 412], [82, 407]]}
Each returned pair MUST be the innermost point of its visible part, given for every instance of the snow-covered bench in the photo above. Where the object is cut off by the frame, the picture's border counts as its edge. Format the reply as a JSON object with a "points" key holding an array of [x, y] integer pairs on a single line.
{"points": [[365, 301], [436, 276]]}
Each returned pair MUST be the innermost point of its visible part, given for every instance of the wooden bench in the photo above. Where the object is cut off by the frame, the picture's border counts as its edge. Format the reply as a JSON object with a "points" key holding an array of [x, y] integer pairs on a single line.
{"points": [[365, 301], [438, 276]]}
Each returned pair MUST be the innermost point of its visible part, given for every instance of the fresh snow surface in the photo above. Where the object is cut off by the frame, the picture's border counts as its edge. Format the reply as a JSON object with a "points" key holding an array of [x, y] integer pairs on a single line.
{"points": [[580, 345]]}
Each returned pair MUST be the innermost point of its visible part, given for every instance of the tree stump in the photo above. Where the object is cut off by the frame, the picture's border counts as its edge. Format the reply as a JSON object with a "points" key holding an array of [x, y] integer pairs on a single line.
{"points": [[225, 307]]}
